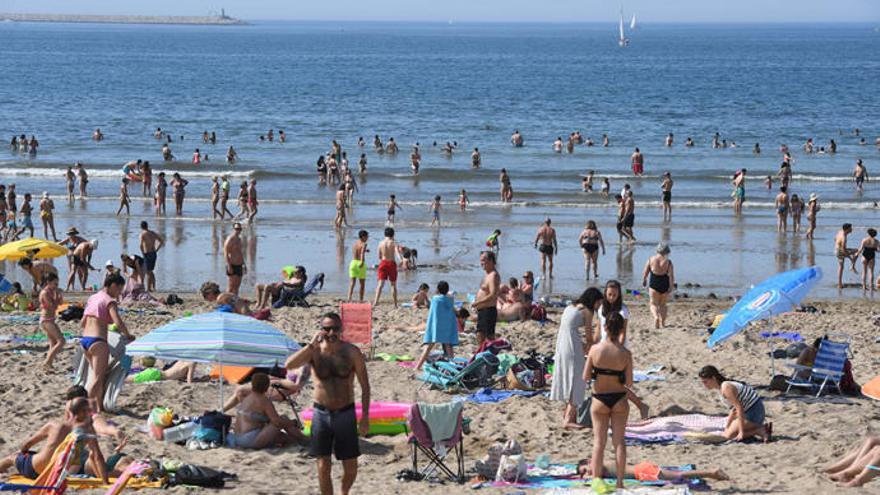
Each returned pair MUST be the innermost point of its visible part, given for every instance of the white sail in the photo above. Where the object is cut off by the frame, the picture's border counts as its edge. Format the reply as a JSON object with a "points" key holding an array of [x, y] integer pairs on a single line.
{"points": [[622, 41], [632, 23]]}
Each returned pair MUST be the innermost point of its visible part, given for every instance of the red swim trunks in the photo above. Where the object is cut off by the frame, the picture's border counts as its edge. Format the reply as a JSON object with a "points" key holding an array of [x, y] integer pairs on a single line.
{"points": [[387, 270], [645, 471]]}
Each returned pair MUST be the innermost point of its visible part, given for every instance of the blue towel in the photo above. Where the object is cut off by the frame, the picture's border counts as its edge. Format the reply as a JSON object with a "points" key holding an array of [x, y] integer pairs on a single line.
{"points": [[441, 327], [793, 336], [488, 395]]}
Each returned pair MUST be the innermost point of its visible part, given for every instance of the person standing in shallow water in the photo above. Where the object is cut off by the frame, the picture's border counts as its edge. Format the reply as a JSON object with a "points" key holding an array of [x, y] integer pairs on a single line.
{"points": [[546, 244], [782, 209], [666, 189], [812, 209], [638, 163]]}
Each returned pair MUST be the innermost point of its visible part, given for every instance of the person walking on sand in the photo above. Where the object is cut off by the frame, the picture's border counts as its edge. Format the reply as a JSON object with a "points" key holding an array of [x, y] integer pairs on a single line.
{"points": [[659, 277], [150, 243], [739, 191], [234, 254], [868, 249], [568, 384], [782, 208], [844, 253], [123, 198], [357, 269], [546, 237], [27, 222], [610, 368], [812, 209], [486, 302], [638, 163], [335, 427], [590, 241], [666, 188], [387, 270], [47, 215]]}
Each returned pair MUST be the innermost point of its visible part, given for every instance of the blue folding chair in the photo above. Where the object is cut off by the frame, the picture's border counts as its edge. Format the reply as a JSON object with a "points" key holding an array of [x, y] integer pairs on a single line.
{"points": [[828, 367], [458, 372]]}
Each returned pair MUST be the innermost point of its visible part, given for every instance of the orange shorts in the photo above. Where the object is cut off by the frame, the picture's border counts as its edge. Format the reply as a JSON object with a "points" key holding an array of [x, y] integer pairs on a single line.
{"points": [[645, 471], [387, 270]]}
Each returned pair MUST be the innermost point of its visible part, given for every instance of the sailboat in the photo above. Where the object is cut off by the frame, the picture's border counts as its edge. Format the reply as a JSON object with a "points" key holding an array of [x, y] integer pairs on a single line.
{"points": [[632, 23], [622, 41]]}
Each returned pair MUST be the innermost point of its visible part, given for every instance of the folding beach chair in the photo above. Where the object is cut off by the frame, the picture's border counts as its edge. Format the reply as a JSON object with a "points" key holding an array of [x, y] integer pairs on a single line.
{"points": [[357, 325], [424, 439], [297, 297], [827, 368], [459, 373]]}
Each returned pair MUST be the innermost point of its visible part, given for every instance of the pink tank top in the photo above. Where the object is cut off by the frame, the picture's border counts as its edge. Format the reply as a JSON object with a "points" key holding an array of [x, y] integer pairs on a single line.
{"points": [[98, 306]]}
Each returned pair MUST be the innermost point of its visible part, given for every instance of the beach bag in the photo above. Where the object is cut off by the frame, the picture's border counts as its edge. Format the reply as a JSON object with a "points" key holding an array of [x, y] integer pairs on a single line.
{"points": [[193, 475], [848, 383], [214, 420], [482, 375], [72, 313], [583, 413], [538, 312]]}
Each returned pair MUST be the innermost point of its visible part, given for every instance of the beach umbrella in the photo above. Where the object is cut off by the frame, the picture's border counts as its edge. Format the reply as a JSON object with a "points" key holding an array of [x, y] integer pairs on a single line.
{"points": [[219, 337], [780, 293], [20, 249]]}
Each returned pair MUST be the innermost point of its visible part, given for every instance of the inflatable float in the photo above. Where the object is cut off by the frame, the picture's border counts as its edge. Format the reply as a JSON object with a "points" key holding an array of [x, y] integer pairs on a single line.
{"points": [[386, 418]]}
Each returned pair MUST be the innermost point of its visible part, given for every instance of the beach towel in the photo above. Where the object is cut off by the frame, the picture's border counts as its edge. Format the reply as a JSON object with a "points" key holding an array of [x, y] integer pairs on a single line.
{"points": [[491, 396], [650, 374], [119, 369], [672, 429], [441, 326], [628, 490], [90, 483], [55, 473], [442, 419], [384, 356]]}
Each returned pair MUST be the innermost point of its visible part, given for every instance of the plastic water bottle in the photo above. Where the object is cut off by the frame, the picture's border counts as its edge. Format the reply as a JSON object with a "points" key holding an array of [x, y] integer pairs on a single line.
{"points": [[181, 432]]}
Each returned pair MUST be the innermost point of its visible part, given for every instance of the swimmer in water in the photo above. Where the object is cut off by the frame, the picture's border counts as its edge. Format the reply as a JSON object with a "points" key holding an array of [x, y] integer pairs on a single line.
{"points": [[463, 200]]}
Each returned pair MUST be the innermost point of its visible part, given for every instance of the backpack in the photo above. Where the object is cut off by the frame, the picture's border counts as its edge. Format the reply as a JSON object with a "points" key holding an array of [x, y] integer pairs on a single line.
{"points": [[190, 474], [215, 420], [72, 313], [483, 375]]}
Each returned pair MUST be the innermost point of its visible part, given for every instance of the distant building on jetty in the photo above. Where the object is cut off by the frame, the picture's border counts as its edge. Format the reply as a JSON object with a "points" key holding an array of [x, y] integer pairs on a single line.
{"points": [[213, 20]]}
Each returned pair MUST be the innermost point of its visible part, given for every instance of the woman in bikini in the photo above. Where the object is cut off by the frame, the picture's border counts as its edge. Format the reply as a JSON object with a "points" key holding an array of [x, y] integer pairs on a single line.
{"points": [[868, 249], [610, 367], [257, 423], [101, 311], [47, 215], [50, 299], [591, 240], [659, 277], [178, 185]]}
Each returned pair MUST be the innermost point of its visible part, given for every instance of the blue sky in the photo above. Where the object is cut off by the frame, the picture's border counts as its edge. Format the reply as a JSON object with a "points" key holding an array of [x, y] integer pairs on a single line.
{"points": [[478, 10]]}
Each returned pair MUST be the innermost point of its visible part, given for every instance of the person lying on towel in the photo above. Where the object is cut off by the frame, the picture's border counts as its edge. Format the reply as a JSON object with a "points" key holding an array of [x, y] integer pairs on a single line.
{"points": [[645, 471]]}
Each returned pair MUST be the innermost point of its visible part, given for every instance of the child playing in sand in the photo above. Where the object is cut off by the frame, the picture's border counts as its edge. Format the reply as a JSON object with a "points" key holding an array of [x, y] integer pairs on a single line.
{"points": [[420, 298]]}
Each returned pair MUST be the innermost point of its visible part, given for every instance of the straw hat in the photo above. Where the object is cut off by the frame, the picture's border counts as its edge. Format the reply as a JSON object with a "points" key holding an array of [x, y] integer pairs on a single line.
{"points": [[814, 197]]}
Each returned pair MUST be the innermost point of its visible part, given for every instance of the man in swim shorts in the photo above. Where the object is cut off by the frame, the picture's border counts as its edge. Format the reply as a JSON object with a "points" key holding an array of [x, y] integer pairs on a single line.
{"points": [[844, 253], [629, 216], [334, 423], [151, 243], [357, 269], [233, 252], [486, 301], [546, 237], [638, 162], [387, 269]]}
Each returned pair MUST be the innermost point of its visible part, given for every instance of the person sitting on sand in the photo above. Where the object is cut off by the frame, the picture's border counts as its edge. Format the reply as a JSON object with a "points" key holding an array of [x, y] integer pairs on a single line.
{"points": [[528, 287], [291, 277], [420, 298], [646, 471], [858, 466], [746, 418], [292, 384], [118, 461], [257, 424], [443, 324], [510, 304], [211, 292]]}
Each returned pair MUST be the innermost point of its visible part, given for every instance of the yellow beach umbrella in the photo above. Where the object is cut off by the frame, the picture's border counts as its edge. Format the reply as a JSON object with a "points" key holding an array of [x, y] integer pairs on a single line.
{"points": [[19, 249]]}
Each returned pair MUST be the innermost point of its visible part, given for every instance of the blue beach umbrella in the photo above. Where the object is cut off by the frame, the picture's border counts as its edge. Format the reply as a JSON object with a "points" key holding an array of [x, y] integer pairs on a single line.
{"points": [[219, 337], [780, 293]]}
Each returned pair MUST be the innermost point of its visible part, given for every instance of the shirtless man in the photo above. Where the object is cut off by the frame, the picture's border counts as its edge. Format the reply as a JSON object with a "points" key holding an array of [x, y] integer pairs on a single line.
{"points": [[546, 236], [782, 206], [50, 299], [77, 419], [82, 263], [233, 252], [393, 205], [669, 139], [739, 191], [391, 148], [252, 200], [666, 188], [629, 216], [486, 302], [415, 159], [844, 253], [476, 158], [357, 269], [334, 425], [516, 139], [151, 243], [638, 162], [387, 266], [860, 175], [38, 271]]}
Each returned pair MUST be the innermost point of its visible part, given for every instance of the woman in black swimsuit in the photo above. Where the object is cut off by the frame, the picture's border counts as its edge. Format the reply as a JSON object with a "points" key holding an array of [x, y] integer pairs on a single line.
{"points": [[868, 250], [591, 240], [610, 367], [659, 277]]}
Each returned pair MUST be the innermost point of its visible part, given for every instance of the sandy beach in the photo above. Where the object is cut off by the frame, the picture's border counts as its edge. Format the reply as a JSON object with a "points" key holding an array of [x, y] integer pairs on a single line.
{"points": [[808, 433]]}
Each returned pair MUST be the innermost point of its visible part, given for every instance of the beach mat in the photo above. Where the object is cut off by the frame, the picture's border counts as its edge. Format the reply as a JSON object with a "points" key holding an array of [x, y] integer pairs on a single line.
{"points": [[88, 483], [674, 429], [489, 395], [232, 374], [628, 490], [872, 388]]}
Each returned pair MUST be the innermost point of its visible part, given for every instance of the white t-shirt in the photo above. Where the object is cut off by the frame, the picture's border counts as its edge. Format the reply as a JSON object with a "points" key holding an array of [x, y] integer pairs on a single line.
{"points": [[624, 312]]}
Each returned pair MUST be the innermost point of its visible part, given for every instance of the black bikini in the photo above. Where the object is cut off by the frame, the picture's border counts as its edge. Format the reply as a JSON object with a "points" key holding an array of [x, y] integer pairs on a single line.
{"points": [[610, 398]]}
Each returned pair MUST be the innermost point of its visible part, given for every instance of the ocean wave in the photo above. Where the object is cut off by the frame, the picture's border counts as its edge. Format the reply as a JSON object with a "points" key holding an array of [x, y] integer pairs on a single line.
{"points": [[116, 173]]}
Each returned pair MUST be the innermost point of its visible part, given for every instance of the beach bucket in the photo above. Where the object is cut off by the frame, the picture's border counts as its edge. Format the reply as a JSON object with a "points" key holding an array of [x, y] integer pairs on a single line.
{"points": [[5, 285]]}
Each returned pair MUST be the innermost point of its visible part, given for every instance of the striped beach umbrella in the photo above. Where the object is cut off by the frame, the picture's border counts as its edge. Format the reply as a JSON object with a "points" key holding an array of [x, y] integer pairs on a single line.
{"points": [[219, 337]]}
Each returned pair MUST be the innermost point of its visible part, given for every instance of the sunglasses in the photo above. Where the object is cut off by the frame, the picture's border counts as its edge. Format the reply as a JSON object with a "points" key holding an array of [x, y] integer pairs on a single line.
{"points": [[331, 329]]}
